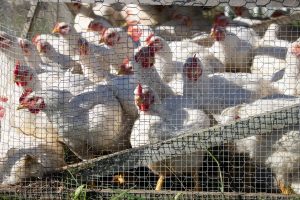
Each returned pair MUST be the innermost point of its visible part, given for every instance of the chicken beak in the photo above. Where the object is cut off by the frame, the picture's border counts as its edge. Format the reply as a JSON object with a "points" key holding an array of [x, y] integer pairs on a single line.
{"points": [[89, 28], [152, 60], [21, 107], [212, 34], [83, 50], [55, 30], [39, 48], [101, 41], [138, 100], [121, 71], [17, 79], [125, 24]]}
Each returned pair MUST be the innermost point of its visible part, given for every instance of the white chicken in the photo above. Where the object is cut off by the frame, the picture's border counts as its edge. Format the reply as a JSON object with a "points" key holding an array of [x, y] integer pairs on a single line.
{"points": [[92, 69], [146, 73], [214, 93], [185, 49], [139, 34], [122, 45], [83, 19], [84, 15], [24, 156], [30, 154], [243, 33], [37, 125], [156, 124], [71, 122], [234, 53], [10, 51], [68, 39], [285, 162], [163, 57], [31, 55], [261, 148], [289, 84], [45, 45], [32, 123], [84, 121], [270, 38], [97, 27], [72, 42]]}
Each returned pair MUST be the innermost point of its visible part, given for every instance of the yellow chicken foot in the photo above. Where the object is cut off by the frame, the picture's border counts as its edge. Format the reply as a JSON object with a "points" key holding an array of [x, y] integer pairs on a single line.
{"points": [[197, 183], [160, 183], [119, 179], [287, 190]]}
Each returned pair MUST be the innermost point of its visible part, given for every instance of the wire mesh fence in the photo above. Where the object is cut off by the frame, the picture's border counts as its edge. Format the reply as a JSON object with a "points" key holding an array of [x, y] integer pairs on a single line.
{"points": [[113, 100]]}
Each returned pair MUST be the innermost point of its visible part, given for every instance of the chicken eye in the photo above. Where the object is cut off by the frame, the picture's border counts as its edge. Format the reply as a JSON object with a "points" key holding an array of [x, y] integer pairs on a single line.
{"points": [[46, 46], [26, 46], [157, 41], [111, 35], [63, 27], [237, 117]]}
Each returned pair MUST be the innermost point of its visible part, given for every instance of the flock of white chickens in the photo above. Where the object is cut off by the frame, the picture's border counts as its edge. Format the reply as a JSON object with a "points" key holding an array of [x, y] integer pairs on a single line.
{"points": [[99, 88]]}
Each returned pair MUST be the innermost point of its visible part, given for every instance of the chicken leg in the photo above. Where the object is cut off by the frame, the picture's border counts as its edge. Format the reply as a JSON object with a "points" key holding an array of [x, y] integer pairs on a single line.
{"points": [[160, 183], [197, 183], [285, 189], [119, 179]]}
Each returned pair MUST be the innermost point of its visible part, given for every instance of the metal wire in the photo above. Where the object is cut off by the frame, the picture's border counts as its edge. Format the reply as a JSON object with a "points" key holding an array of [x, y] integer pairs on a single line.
{"points": [[118, 101]]}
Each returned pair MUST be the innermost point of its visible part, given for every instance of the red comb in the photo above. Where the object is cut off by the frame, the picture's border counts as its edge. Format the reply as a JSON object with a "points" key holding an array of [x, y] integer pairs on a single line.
{"points": [[26, 92], [2, 112], [149, 38], [17, 66], [125, 61], [139, 89], [3, 99], [16, 70]]}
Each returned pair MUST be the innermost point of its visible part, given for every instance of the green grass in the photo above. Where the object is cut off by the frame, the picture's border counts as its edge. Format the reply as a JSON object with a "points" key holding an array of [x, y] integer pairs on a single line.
{"points": [[126, 195], [80, 193], [219, 170]]}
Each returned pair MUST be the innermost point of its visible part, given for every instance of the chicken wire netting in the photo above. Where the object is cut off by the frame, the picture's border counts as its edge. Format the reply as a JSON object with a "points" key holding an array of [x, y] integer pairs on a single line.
{"points": [[134, 101]]}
